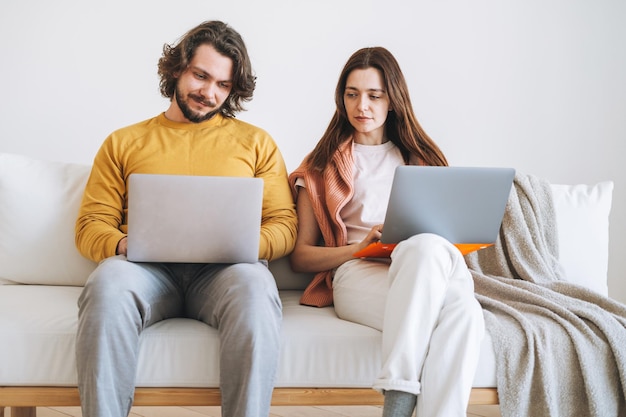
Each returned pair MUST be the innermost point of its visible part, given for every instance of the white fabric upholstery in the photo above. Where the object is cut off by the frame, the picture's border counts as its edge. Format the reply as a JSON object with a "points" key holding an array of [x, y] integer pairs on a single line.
{"points": [[319, 350], [38, 205], [39, 201]]}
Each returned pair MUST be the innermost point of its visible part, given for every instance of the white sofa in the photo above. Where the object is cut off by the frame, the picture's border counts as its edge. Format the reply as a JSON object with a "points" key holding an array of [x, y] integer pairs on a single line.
{"points": [[324, 360]]}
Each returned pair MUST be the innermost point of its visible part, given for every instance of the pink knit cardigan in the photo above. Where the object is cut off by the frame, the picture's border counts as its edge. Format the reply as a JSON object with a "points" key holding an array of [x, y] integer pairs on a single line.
{"points": [[329, 192]]}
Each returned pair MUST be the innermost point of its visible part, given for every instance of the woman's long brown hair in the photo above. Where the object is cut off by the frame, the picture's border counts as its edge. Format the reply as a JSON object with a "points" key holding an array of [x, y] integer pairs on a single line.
{"points": [[401, 126]]}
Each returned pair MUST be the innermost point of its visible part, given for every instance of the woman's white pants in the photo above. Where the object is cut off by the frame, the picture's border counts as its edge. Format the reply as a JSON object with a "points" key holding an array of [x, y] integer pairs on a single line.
{"points": [[432, 325]]}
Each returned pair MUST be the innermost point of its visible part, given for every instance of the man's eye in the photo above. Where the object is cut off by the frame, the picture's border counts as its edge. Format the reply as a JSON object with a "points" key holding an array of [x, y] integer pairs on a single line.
{"points": [[200, 76]]}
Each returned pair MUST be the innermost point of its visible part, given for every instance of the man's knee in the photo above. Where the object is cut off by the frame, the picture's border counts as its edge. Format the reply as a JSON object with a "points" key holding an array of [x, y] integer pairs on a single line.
{"points": [[253, 293], [253, 280]]}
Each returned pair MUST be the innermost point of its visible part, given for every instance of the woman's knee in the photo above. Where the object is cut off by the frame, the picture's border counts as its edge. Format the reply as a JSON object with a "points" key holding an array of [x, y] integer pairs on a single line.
{"points": [[426, 251], [425, 243]]}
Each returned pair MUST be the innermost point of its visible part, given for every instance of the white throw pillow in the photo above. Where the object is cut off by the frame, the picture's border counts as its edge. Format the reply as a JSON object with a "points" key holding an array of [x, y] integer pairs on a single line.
{"points": [[39, 203], [582, 217]]}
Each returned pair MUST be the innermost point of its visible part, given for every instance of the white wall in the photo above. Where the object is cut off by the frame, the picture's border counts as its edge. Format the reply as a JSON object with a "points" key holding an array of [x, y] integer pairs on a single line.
{"points": [[534, 84]]}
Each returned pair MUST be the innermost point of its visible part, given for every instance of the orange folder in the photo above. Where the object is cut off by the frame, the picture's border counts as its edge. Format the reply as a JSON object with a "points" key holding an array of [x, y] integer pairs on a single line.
{"points": [[383, 250]]}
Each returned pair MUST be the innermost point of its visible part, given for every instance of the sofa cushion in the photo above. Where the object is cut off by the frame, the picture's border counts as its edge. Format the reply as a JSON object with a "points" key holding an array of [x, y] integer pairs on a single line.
{"points": [[582, 217], [38, 325], [39, 203], [318, 350]]}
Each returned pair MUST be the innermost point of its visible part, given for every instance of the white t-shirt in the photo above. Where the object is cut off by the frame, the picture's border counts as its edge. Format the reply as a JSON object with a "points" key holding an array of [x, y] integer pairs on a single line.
{"points": [[374, 166]]}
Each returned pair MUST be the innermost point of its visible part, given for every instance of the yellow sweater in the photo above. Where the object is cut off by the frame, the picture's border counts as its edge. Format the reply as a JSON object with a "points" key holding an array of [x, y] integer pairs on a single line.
{"points": [[220, 146]]}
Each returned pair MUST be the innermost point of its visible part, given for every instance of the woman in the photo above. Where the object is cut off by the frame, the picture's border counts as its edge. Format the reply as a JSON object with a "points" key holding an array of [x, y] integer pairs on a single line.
{"points": [[423, 299]]}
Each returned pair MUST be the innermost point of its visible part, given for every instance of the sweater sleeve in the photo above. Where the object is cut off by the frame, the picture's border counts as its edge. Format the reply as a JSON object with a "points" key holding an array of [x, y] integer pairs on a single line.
{"points": [[279, 222], [98, 226]]}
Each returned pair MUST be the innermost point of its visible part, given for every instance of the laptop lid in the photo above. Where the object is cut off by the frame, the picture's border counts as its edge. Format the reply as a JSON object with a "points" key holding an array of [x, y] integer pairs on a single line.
{"points": [[194, 219], [465, 205], [461, 204]]}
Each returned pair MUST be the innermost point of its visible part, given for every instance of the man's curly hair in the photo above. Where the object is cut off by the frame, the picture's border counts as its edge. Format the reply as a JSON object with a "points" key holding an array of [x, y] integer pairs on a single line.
{"points": [[226, 41]]}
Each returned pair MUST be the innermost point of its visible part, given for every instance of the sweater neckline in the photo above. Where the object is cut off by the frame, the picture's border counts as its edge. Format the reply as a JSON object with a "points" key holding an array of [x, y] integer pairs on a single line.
{"points": [[212, 122]]}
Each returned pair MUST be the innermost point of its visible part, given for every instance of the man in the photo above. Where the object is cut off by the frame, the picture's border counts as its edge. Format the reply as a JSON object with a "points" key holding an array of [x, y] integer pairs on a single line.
{"points": [[207, 77]]}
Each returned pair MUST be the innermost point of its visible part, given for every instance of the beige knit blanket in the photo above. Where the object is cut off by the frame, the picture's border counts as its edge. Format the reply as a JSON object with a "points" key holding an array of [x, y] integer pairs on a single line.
{"points": [[560, 348]]}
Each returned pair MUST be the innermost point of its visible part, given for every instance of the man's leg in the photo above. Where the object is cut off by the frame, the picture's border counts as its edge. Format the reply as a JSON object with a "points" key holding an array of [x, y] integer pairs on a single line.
{"points": [[119, 300], [242, 302]]}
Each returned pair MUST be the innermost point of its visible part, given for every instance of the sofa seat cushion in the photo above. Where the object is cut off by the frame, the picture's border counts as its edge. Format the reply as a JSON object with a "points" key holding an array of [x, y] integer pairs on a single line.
{"points": [[38, 327]]}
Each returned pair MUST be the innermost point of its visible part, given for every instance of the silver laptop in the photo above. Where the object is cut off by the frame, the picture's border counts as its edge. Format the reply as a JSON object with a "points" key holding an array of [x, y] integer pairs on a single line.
{"points": [[465, 205], [194, 219]]}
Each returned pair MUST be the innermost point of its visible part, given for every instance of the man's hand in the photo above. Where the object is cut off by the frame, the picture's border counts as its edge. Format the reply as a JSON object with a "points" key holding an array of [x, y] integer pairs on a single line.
{"points": [[122, 245]]}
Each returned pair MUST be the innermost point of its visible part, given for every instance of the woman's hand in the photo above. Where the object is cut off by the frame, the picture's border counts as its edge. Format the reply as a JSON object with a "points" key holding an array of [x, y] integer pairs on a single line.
{"points": [[373, 236], [308, 255]]}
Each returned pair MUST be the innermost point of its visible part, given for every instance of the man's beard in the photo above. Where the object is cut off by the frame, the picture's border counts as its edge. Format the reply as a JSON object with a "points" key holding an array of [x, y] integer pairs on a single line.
{"points": [[190, 114]]}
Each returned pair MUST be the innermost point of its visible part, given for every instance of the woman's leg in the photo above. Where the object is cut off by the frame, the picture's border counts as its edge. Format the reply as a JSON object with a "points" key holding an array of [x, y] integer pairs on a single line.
{"points": [[360, 292], [433, 327]]}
